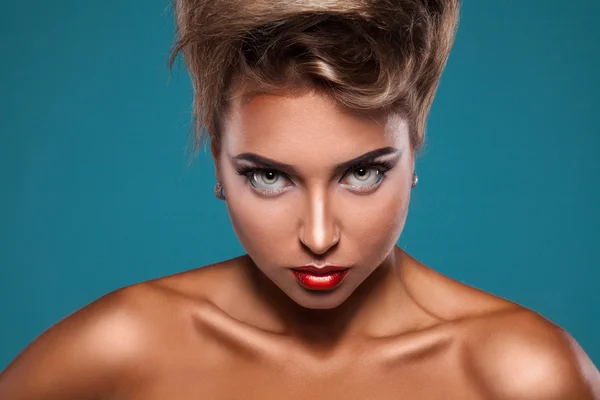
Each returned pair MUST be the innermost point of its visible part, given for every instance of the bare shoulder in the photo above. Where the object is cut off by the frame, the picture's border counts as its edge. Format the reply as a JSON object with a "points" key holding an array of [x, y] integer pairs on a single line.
{"points": [[513, 352], [518, 354], [88, 353], [210, 283]]}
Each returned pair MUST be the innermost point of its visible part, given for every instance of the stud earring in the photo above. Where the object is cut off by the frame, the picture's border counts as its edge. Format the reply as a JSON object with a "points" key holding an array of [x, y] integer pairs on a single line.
{"points": [[219, 191], [415, 180]]}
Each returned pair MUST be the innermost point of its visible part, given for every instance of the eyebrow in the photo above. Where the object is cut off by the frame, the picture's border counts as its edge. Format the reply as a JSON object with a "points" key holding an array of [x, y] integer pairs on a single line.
{"points": [[269, 163]]}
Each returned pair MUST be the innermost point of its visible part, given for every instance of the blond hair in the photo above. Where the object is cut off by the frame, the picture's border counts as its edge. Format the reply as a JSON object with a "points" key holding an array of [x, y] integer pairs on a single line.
{"points": [[367, 55]]}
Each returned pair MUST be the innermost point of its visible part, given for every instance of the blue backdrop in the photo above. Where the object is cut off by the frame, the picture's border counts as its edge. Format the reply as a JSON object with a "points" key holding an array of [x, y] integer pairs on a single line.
{"points": [[96, 192]]}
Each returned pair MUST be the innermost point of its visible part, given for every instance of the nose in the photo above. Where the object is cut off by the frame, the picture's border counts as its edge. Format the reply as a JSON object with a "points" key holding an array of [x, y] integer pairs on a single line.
{"points": [[319, 231]]}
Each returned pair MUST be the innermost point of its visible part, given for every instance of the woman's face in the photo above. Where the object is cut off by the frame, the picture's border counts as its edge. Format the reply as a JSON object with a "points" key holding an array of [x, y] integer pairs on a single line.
{"points": [[309, 184]]}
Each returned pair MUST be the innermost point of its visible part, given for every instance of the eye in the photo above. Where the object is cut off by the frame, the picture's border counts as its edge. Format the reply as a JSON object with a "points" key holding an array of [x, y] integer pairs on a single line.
{"points": [[267, 180], [265, 177], [363, 177]]}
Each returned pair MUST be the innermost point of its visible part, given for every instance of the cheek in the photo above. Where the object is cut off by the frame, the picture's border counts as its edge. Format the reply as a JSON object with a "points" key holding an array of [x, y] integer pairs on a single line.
{"points": [[370, 225], [261, 224], [268, 228], [376, 222]]}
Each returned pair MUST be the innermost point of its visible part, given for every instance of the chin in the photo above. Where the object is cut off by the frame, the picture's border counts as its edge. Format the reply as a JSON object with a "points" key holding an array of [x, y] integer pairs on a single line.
{"points": [[319, 300]]}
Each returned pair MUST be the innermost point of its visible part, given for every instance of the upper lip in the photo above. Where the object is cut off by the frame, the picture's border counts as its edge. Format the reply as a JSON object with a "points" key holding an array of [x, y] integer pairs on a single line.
{"points": [[320, 270]]}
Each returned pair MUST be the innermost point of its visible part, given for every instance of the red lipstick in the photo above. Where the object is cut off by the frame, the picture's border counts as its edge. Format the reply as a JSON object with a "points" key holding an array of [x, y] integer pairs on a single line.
{"points": [[325, 278]]}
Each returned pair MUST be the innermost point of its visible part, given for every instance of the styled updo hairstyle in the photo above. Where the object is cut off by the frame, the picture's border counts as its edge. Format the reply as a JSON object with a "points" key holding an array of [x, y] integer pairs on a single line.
{"points": [[367, 55]]}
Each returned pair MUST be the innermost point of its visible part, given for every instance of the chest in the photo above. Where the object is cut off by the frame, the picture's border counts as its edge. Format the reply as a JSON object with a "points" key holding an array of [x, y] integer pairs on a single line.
{"points": [[365, 377]]}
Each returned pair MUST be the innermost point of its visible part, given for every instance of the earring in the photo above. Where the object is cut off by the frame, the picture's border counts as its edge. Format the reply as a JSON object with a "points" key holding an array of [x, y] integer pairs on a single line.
{"points": [[415, 180], [219, 191]]}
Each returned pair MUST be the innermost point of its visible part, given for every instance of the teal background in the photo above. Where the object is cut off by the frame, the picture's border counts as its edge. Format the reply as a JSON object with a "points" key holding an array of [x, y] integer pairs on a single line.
{"points": [[97, 194]]}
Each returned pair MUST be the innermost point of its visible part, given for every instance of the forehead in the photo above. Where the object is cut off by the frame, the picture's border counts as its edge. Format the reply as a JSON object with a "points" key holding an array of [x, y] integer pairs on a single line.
{"points": [[302, 125]]}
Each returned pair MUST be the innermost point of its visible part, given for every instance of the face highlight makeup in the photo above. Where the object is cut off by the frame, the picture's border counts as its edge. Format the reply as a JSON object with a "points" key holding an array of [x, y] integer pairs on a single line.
{"points": [[307, 182]]}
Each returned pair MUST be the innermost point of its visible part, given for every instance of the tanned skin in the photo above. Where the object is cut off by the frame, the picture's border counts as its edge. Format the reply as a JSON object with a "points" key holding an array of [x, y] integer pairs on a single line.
{"points": [[246, 329]]}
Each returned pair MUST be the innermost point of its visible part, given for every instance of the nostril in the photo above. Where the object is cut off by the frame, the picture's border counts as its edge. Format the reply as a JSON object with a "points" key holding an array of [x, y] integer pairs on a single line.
{"points": [[320, 241]]}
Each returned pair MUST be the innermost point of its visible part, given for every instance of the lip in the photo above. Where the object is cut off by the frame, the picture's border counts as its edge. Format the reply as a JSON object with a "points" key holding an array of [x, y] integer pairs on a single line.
{"points": [[311, 269], [324, 278]]}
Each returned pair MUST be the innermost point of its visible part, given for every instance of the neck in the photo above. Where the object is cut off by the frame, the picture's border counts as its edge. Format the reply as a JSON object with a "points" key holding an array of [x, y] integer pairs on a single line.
{"points": [[365, 311]]}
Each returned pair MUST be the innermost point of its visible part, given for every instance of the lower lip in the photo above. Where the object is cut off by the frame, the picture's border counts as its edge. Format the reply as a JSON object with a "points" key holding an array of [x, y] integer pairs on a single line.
{"points": [[327, 281]]}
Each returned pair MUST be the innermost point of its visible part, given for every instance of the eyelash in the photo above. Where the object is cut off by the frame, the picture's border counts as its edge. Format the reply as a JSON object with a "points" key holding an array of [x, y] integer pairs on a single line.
{"points": [[381, 166]]}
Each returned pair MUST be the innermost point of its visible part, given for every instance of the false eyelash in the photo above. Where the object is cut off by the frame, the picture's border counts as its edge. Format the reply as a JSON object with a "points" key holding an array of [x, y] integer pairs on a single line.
{"points": [[247, 171], [382, 166]]}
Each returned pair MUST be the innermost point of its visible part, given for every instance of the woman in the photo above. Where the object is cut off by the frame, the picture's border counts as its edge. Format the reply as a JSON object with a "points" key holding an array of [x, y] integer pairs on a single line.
{"points": [[315, 110]]}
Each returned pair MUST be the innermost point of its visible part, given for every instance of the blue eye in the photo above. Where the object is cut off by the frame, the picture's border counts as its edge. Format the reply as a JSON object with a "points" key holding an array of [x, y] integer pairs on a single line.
{"points": [[267, 182], [270, 182], [364, 176], [266, 179], [367, 177]]}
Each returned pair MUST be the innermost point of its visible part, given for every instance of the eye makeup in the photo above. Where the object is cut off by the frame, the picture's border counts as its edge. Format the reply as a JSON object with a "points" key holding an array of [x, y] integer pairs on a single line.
{"points": [[252, 171], [267, 163], [252, 166], [380, 167]]}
